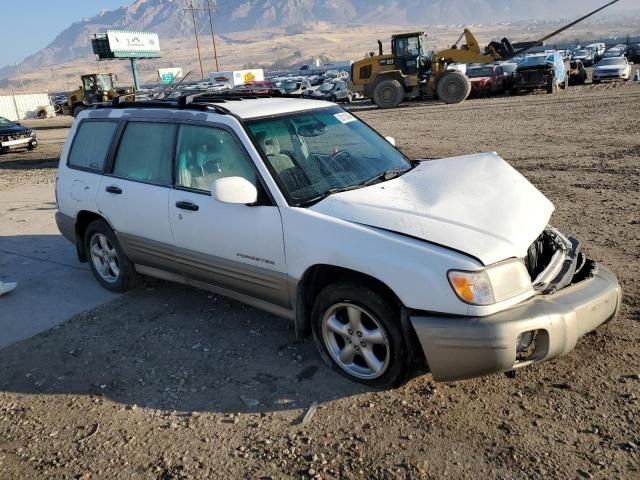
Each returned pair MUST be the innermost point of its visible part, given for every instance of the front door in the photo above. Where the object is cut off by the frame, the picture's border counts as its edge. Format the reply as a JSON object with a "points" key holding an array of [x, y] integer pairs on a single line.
{"points": [[236, 247], [134, 197]]}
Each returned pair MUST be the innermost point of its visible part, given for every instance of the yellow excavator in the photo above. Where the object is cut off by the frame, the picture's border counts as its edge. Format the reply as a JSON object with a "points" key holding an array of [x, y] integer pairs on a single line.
{"points": [[407, 72], [95, 88]]}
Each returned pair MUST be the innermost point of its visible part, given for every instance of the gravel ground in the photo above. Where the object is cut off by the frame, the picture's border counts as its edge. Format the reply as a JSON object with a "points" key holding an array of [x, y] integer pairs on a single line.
{"points": [[169, 382]]}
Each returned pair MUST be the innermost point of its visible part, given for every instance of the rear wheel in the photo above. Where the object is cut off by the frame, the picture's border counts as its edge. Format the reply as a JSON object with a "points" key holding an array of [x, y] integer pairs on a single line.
{"points": [[453, 87], [388, 93], [357, 332], [77, 109], [107, 261]]}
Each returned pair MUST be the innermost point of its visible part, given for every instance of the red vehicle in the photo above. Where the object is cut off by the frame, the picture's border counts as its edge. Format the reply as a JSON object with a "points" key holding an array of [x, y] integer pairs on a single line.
{"points": [[259, 87], [486, 80]]}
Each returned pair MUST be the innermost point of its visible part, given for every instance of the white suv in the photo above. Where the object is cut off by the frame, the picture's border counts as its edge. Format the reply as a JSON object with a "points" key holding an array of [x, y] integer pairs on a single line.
{"points": [[299, 208]]}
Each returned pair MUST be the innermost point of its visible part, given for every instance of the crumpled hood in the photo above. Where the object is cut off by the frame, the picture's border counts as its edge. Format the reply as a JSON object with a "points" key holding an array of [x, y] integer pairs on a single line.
{"points": [[476, 204]]}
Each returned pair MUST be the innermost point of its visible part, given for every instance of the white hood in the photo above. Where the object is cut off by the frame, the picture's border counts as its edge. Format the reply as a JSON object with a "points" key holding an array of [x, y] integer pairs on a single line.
{"points": [[476, 204]]}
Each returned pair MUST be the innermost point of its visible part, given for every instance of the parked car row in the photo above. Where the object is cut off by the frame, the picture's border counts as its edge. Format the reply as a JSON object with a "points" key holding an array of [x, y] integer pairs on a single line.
{"points": [[552, 70]]}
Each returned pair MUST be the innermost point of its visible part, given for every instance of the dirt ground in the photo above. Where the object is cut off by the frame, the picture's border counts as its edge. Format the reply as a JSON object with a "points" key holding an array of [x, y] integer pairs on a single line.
{"points": [[169, 382]]}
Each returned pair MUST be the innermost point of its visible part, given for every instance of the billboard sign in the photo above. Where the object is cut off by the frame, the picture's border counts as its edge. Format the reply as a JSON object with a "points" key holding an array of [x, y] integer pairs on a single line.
{"points": [[237, 77], [126, 44], [169, 75]]}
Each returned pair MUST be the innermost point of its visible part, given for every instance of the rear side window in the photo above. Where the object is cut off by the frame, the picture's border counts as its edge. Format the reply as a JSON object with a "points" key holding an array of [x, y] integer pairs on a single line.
{"points": [[91, 144], [146, 153]]}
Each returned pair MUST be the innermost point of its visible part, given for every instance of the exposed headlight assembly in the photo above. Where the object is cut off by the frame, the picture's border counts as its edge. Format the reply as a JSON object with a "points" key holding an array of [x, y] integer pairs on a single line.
{"points": [[494, 284]]}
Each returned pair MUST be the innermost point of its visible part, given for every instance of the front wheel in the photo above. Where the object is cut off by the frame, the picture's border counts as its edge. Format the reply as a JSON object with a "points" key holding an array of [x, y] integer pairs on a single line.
{"points": [[453, 87], [357, 332], [107, 260]]}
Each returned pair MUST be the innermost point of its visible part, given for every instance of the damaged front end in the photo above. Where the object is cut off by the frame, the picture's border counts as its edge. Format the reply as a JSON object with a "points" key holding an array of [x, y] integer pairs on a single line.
{"points": [[555, 262], [574, 295], [530, 78]]}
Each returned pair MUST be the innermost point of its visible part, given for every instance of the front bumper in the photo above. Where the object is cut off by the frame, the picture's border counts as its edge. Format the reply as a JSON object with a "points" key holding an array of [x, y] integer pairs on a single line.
{"points": [[18, 143], [610, 76], [465, 347]]}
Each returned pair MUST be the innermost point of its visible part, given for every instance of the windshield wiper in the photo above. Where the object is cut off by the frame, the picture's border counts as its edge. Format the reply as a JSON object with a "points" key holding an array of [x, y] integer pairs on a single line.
{"points": [[386, 175], [325, 194], [383, 177]]}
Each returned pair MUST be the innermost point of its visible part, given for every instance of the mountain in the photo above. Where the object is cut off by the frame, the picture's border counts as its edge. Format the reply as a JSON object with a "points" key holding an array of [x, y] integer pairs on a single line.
{"points": [[170, 19]]}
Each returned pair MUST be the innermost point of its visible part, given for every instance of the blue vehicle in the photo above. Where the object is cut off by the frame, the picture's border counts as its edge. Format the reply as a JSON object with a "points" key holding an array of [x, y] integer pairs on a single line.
{"points": [[541, 71]]}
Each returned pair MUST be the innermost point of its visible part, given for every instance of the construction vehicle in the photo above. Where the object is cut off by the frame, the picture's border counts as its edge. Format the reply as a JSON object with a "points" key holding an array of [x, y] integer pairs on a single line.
{"points": [[407, 72], [95, 88]]}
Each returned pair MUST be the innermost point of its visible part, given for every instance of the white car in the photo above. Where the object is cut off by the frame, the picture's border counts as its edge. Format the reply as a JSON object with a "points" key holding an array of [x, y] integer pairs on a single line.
{"points": [[612, 68], [299, 208]]}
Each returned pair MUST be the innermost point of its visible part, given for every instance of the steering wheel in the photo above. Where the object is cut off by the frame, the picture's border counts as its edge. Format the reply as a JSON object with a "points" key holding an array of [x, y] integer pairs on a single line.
{"points": [[340, 153]]}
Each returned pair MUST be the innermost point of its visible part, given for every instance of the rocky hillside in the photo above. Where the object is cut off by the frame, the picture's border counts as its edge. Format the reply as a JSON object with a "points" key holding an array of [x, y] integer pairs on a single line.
{"points": [[170, 19]]}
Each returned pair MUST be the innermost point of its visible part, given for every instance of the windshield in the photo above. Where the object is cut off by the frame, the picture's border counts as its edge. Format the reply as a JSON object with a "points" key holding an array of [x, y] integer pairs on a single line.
{"points": [[320, 152], [326, 87], [536, 61], [611, 61], [6, 123], [480, 72], [291, 85], [104, 82], [582, 53]]}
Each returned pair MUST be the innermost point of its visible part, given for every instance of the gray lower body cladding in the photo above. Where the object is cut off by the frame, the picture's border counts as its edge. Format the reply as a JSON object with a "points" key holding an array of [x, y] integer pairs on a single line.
{"points": [[257, 282]]}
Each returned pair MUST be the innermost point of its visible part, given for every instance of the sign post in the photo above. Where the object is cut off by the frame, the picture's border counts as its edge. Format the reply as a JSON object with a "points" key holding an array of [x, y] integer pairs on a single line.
{"points": [[126, 44]]}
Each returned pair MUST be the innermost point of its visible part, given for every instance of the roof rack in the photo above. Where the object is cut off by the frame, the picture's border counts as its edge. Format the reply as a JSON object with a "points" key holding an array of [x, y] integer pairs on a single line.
{"points": [[194, 101]]}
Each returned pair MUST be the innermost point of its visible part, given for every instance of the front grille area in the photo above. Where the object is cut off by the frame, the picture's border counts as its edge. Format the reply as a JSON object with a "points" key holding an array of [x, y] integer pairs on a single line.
{"points": [[14, 136], [531, 77], [539, 255]]}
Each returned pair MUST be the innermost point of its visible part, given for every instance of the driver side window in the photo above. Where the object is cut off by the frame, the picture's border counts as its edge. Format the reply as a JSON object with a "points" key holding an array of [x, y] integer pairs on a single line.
{"points": [[205, 154]]}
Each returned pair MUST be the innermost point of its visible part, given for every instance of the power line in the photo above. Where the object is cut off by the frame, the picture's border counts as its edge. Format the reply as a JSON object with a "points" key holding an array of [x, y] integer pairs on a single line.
{"points": [[213, 38], [195, 31]]}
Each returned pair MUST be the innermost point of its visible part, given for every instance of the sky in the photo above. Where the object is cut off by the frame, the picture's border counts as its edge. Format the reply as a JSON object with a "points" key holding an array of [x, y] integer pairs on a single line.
{"points": [[43, 20]]}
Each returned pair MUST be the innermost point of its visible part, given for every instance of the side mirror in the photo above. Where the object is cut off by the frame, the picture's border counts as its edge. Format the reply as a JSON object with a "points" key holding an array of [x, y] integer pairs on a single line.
{"points": [[234, 190], [391, 140]]}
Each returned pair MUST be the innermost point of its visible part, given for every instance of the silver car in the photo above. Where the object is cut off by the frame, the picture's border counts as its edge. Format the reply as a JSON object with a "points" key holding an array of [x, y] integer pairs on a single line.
{"points": [[614, 68]]}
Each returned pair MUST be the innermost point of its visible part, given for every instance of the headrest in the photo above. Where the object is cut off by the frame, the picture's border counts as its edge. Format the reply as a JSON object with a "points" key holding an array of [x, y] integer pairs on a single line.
{"points": [[272, 146]]}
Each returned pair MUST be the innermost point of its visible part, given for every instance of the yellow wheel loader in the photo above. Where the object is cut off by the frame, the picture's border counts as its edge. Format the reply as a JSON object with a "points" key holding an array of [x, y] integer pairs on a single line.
{"points": [[95, 88], [406, 72]]}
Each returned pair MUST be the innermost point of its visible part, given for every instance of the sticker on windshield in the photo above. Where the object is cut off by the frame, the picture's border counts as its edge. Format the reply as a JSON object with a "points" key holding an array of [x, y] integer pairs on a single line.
{"points": [[345, 117]]}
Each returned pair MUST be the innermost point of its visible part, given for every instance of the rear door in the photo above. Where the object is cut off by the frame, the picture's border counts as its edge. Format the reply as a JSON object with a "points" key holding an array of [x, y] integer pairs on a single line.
{"points": [[236, 247], [134, 195]]}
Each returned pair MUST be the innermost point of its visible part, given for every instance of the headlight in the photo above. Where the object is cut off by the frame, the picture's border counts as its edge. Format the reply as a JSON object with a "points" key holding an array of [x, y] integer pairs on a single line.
{"points": [[494, 284]]}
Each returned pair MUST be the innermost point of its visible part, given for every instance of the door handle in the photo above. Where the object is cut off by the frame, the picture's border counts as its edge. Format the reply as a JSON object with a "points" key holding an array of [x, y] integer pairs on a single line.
{"points": [[188, 206], [114, 189]]}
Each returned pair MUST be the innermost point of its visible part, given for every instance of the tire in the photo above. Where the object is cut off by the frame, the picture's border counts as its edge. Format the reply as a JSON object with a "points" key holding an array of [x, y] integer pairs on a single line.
{"points": [[32, 145], [377, 334], [565, 84], [453, 87], [553, 88], [595, 82], [77, 109], [110, 252], [388, 93]]}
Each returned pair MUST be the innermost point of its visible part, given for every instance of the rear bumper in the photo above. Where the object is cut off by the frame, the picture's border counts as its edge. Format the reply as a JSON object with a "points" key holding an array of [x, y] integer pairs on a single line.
{"points": [[67, 226], [465, 347]]}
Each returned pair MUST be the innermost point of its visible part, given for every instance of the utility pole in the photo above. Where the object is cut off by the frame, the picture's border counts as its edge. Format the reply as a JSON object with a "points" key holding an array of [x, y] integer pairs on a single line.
{"points": [[213, 38], [195, 30]]}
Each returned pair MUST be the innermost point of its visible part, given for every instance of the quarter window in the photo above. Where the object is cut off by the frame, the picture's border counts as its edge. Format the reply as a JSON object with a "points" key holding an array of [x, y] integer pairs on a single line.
{"points": [[205, 154], [91, 144], [146, 152]]}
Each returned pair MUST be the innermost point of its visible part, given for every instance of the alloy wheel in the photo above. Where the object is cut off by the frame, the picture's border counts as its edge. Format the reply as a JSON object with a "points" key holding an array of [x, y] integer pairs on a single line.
{"points": [[356, 341]]}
